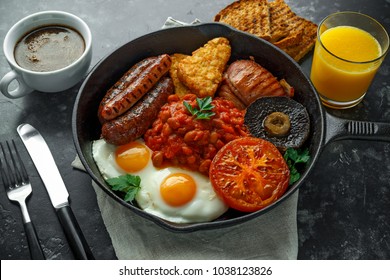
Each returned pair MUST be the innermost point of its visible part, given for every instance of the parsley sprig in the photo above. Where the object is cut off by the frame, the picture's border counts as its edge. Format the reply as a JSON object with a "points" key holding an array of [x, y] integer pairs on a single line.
{"points": [[204, 112], [128, 184], [296, 160]]}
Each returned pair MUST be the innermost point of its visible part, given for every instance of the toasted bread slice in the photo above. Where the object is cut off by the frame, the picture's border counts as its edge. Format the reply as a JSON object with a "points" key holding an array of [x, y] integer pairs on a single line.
{"points": [[281, 17], [251, 16], [202, 72], [293, 34], [279, 13], [180, 88], [290, 40], [300, 43]]}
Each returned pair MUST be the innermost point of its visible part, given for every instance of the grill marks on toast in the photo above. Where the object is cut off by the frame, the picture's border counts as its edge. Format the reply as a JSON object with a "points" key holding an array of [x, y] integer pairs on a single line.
{"points": [[279, 14], [291, 33], [299, 33], [251, 16]]}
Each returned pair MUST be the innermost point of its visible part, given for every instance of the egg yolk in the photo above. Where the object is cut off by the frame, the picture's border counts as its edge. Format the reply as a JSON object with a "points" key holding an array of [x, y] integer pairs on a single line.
{"points": [[132, 157], [178, 189]]}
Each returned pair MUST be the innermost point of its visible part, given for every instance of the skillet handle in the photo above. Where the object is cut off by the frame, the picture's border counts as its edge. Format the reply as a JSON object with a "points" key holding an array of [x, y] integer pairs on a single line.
{"points": [[339, 129]]}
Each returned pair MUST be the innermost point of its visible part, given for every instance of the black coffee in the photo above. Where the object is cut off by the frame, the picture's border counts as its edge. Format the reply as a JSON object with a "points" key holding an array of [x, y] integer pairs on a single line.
{"points": [[49, 48]]}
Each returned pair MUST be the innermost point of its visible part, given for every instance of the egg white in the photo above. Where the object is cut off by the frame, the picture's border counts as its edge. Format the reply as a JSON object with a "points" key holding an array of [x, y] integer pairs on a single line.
{"points": [[205, 205]]}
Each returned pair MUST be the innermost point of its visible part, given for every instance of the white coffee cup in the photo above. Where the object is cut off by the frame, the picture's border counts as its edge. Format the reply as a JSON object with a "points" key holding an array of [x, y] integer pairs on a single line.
{"points": [[51, 81]]}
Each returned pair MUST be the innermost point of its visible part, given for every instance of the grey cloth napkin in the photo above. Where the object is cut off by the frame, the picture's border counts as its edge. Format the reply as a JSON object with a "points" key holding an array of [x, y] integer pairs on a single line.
{"points": [[171, 22], [270, 236]]}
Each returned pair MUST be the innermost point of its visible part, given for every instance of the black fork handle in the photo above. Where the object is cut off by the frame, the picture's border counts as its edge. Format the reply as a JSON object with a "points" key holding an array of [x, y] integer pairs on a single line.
{"points": [[33, 242], [74, 234]]}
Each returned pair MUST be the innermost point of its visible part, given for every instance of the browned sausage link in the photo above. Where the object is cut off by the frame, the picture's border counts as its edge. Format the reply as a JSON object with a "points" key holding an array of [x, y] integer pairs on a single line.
{"points": [[124, 82], [136, 121], [128, 97]]}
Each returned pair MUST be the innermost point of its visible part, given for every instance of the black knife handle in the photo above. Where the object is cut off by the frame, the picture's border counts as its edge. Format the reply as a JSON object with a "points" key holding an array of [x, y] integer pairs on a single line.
{"points": [[33, 242], [74, 234]]}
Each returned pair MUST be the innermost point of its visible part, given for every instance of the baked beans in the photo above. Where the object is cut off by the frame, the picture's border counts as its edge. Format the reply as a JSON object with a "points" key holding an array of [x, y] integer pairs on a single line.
{"points": [[178, 139]]}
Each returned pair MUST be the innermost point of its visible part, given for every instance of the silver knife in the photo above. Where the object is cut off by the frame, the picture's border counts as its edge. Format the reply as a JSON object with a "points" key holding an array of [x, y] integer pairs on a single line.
{"points": [[51, 177]]}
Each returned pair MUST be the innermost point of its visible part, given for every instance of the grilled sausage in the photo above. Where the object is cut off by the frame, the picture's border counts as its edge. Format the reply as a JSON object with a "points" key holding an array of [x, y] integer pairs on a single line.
{"points": [[137, 120], [128, 78], [124, 100]]}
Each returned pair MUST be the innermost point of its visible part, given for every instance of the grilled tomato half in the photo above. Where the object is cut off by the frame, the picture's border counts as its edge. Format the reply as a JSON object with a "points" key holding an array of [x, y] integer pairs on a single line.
{"points": [[249, 174]]}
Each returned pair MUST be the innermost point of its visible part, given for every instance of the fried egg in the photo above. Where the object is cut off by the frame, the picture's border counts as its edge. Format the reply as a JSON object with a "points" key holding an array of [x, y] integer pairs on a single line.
{"points": [[172, 193]]}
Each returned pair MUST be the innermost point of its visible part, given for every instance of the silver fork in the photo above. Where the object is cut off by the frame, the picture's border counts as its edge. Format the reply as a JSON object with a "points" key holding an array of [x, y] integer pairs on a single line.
{"points": [[18, 188]]}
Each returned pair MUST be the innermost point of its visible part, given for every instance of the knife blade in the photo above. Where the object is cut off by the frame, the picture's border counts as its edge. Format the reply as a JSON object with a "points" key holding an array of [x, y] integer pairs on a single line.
{"points": [[44, 162]]}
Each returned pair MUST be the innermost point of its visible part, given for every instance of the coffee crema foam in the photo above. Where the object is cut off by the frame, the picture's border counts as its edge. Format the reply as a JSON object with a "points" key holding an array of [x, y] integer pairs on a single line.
{"points": [[49, 48]]}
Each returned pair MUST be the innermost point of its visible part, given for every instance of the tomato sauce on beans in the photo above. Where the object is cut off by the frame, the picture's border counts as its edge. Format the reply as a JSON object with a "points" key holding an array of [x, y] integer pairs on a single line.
{"points": [[178, 138]]}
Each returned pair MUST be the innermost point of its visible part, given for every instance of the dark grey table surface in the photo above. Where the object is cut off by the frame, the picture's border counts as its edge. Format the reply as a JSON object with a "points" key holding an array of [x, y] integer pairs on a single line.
{"points": [[344, 206]]}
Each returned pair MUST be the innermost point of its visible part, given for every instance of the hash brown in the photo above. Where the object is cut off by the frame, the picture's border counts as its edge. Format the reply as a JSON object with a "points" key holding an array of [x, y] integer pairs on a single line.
{"points": [[202, 72], [179, 87]]}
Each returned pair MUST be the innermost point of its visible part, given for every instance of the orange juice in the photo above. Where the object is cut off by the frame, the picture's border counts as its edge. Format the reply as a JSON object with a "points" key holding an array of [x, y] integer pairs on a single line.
{"points": [[344, 63]]}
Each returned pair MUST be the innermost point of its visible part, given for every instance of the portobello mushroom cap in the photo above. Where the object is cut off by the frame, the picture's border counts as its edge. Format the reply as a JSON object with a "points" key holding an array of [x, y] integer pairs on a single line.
{"points": [[260, 109]]}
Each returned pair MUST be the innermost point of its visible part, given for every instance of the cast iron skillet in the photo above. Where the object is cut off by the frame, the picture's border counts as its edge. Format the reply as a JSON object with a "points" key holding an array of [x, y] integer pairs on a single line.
{"points": [[323, 129]]}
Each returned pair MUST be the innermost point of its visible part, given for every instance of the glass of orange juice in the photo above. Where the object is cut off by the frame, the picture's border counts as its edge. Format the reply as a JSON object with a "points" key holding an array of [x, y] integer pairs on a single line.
{"points": [[350, 48]]}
